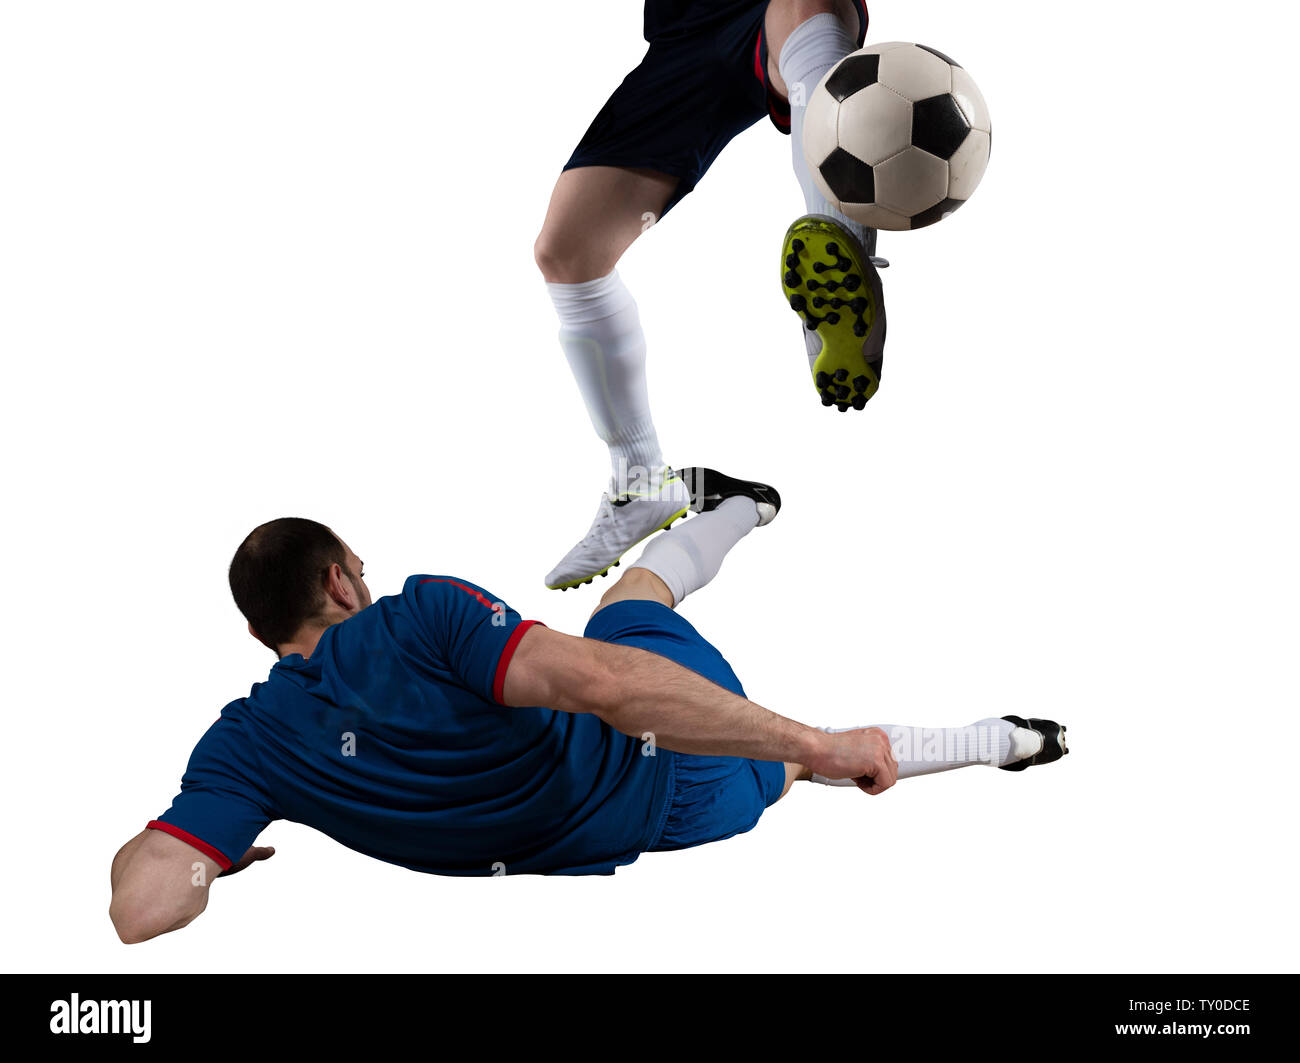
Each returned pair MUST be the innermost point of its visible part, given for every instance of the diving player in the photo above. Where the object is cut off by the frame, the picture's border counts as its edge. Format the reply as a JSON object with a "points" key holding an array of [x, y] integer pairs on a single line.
{"points": [[438, 730]]}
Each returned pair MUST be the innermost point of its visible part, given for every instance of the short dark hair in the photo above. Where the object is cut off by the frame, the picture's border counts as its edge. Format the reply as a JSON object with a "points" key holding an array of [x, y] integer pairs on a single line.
{"points": [[277, 575]]}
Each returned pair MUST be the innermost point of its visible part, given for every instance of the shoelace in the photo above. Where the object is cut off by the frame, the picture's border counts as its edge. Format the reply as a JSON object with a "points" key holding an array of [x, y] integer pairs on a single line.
{"points": [[604, 517]]}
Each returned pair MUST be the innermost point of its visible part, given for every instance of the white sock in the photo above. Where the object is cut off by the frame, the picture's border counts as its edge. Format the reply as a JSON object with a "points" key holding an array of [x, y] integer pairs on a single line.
{"points": [[926, 750], [815, 46], [687, 557], [600, 332]]}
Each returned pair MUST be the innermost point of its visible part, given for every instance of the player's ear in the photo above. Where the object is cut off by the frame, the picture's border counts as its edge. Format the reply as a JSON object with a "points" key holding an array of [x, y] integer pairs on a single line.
{"points": [[339, 588]]}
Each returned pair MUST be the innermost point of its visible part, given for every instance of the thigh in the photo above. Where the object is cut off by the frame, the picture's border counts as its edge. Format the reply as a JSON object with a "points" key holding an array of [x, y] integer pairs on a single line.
{"points": [[653, 626], [698, 86], [714, 798]]}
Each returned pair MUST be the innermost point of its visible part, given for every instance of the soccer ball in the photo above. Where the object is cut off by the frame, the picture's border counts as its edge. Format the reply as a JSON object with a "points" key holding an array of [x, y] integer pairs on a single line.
{"points": [[897, 136]]}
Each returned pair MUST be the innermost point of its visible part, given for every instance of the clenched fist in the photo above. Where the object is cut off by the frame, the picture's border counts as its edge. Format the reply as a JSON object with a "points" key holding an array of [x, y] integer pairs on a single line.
{"points": [[864, 755]]}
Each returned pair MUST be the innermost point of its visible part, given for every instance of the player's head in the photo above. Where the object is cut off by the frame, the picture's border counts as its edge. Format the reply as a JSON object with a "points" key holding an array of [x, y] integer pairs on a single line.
{"points": [[294, 573]]}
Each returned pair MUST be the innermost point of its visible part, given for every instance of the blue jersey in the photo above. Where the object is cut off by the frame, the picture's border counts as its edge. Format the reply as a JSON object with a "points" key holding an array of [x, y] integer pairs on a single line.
{"points": [[393, 740]]}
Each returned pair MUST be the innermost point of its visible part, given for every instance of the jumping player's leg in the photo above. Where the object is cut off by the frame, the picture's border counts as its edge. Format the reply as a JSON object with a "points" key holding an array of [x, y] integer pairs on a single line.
{"points": [[595, 214], [656, 136], [828, 268]]}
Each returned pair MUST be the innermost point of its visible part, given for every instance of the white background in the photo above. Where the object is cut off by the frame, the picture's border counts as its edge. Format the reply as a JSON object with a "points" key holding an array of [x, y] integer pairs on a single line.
{"points": [[273, 258]]}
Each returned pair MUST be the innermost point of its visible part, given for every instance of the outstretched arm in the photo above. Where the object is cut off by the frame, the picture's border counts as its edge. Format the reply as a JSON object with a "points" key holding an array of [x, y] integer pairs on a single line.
{"points": [[161, 883], [635, 692]]}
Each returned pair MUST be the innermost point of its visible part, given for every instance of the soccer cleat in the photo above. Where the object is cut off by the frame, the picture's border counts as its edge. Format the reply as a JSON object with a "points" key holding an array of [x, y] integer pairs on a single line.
{"points": [[1052, 736], [709, 488], [621, 522], [830, 281]]}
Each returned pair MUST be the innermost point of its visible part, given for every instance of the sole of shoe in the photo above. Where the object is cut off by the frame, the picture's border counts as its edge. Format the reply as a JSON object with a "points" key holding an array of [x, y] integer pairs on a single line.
{"points": [[829, 281]]}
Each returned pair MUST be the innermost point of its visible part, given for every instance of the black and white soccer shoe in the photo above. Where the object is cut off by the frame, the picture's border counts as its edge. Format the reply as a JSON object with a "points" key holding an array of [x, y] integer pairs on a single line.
{"points": [[1053, 748], [710, 488]]}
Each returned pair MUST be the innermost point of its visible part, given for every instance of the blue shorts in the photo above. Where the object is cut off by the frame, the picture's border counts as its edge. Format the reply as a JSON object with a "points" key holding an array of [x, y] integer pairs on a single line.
{"points": [[709, 798], [698, 86]]}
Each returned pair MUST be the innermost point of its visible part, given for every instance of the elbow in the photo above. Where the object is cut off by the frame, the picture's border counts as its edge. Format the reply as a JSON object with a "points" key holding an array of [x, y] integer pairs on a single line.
{"points": [[136, 921], [132, 927]]}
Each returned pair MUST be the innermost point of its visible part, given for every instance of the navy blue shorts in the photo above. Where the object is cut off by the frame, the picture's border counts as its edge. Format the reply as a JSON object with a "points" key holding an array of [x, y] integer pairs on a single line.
{"points": [[709, 798], [698, 86]]}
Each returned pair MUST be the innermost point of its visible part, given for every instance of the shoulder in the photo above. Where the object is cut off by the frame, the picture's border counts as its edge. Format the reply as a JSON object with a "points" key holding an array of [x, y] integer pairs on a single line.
{"points": [[454, 592]]}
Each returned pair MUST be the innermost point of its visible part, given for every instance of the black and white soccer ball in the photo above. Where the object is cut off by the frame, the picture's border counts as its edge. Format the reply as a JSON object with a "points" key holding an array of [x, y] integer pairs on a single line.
{"points": [[897, 136]]}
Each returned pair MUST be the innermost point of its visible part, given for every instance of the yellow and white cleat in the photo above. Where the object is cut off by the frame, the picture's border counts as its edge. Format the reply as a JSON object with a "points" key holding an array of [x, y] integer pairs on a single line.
{"points": [[620, 523]]}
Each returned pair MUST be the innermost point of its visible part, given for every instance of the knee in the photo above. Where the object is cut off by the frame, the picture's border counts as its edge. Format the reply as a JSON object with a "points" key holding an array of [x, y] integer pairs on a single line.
{"points": [[784, 16], [563, 260]]}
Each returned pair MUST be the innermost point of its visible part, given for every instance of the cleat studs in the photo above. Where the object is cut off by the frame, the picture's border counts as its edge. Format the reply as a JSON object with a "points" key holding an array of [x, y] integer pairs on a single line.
{"points": [[852, 282], [791, 261], [798, 302], [858, 305], [797, 244], [859, 401], [841, 374], [811, 323], [843, 263], [836, 303], [823, 378], [861, 383], [833, 249], [833, 318], [859, 327], [813, 285], [791, 279], [819, 302], [841, 391], [842, 407], [827, 398]]}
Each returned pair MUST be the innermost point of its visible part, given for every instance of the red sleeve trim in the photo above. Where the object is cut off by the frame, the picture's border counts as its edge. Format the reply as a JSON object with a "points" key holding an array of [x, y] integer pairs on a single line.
{"points": [[499, 683], [189, 839]]}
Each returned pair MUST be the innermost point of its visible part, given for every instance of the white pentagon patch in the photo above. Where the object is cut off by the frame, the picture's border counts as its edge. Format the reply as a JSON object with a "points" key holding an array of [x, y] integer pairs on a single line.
{"points": [[970, 100], [881, 49], [874, 216], [875, 124], [967, 164], [820, 122], [915, 73], [911, 181]]}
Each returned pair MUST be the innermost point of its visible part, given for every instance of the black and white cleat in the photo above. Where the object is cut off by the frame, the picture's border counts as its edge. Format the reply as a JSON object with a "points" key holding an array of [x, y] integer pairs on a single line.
{"points": [[709, 488], [1053, 742]]}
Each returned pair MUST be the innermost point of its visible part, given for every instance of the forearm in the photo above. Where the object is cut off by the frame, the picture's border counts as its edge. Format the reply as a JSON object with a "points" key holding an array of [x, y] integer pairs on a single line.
{"points": [[645, 693]]}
